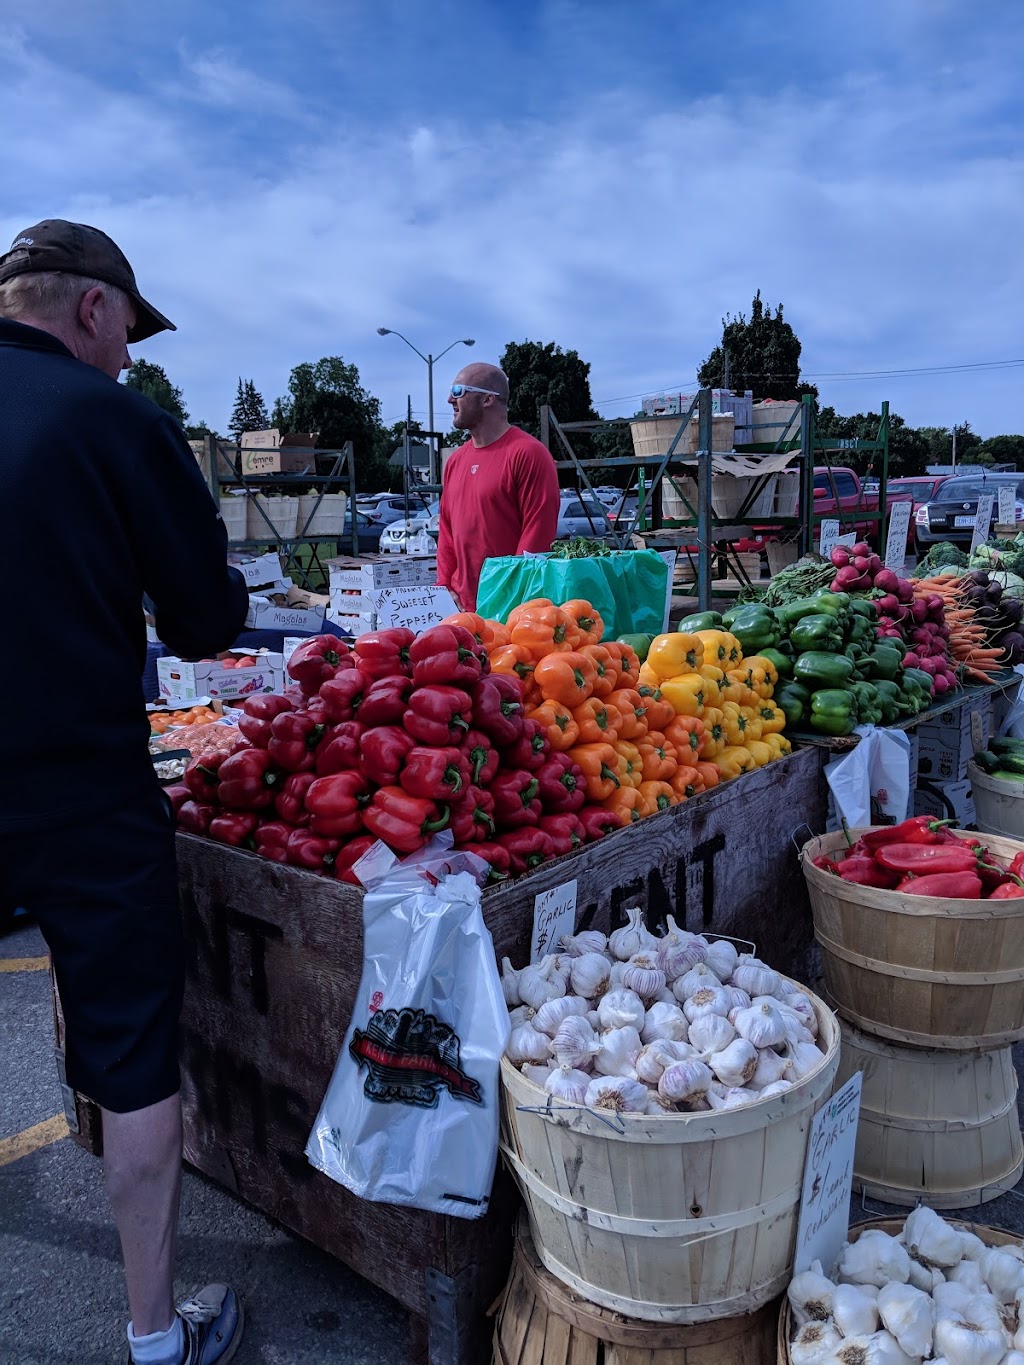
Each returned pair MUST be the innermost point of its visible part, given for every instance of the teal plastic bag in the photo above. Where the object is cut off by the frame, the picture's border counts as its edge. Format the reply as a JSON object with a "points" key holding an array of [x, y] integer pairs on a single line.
{"points": [[627, 587]]}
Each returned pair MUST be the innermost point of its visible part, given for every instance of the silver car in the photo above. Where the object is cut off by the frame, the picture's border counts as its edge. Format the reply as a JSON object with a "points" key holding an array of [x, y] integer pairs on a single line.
{"points": [[582, 517], [394, 539]]}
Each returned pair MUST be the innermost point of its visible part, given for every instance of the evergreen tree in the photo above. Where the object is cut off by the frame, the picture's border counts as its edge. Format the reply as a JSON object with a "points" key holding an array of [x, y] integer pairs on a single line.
{"points": [[249, 412], [763, 355], [152, 380]]}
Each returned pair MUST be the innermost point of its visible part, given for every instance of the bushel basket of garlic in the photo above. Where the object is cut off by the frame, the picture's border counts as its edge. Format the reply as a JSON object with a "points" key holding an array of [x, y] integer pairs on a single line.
{"points": [[657, 1095], [902, 1293]]}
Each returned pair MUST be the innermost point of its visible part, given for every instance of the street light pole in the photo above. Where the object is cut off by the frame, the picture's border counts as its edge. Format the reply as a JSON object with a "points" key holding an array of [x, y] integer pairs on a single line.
{"points": [[428, 360]]}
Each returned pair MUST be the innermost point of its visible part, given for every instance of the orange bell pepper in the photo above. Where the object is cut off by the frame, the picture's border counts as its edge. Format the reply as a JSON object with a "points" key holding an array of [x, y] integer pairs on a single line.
{"points": [[686, 695], [524, 609], [659, 758], [561, 730], [627, 804], [566, 678], [606, 666], [544, 630], [600, 766], [658, 711], [687, 782], [714, 740], [657, 796], [630, 707], [588, 621], [709, 773], [513, 660], [596, 721], [490, 634], [686, 735], [629, 664], [632, 771]]}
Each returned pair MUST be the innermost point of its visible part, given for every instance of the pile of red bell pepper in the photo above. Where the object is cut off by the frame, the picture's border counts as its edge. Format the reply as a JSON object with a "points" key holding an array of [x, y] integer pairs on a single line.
{"points": [[924, 857], [395, 739]]}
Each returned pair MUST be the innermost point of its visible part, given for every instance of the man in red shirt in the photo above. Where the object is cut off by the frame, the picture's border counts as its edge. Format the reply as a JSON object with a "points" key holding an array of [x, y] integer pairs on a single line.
{"points": [[500, 489]]}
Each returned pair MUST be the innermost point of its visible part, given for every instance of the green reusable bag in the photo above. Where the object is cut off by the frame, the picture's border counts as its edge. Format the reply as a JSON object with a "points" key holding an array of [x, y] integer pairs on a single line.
{"points": [[628, 588]]}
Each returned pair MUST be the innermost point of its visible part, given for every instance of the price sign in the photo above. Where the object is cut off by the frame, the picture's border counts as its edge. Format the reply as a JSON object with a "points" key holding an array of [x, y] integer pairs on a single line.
{"points": [[554, 914], [1007, 514], [896, 540], [415, 608], [982, 520], [828, 1179], [829, 538]]}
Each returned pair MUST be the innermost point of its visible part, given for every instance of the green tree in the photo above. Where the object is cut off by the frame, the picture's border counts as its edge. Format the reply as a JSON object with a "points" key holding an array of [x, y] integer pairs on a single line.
{"points": [[763, 355], [968, 446], [249, 412], [152, 380], [1005, 450], [195, 431], [909, 449], [327, 397], [540, 373]]}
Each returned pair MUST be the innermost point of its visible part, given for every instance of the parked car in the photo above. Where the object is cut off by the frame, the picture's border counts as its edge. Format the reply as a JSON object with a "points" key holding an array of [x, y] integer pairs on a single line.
{"points": [[367, 531], [394, 539], [582, 517], [839, 493], [950, 514], [384, 508]]}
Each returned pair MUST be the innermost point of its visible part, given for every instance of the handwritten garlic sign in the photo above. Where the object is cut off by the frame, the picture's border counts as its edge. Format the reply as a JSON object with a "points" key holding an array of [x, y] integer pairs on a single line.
{"points": [[828, 1178], [554, 915]]}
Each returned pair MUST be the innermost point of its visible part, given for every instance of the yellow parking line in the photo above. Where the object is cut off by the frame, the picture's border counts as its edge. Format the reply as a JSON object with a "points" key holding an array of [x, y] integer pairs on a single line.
{"points": [[24, 964], [31, 1139]]}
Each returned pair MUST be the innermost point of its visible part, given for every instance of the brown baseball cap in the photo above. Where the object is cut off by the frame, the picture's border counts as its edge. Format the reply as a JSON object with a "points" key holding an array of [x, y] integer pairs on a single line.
{"points": [[77, 249]]}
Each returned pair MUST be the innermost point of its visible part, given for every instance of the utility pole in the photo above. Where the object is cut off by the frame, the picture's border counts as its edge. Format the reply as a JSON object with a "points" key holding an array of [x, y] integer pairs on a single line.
{"points": [[725, 377], [954, 450]]}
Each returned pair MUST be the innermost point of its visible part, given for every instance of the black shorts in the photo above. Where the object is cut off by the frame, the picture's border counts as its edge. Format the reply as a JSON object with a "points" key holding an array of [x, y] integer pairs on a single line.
{"points": [[105, 894]]}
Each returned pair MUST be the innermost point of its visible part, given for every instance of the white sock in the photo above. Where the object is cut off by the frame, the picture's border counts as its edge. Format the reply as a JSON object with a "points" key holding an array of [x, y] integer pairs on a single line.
{"points": [[158, 1348]]}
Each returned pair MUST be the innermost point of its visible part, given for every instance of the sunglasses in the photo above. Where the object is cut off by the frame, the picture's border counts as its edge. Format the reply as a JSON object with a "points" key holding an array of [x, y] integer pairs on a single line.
{"points": [[458, 390]]}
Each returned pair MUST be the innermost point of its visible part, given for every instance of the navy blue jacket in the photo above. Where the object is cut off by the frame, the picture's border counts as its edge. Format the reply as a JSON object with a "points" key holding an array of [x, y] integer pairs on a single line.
{"points": [[101, 501]]}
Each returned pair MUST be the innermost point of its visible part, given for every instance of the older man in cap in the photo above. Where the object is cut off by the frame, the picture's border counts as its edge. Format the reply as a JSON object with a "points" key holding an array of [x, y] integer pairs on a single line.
{"points": [[106, 482]]}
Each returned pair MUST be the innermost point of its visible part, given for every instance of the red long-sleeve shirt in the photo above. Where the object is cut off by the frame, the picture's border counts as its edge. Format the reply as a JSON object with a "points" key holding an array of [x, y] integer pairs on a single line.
{"points": [[500, 499]]}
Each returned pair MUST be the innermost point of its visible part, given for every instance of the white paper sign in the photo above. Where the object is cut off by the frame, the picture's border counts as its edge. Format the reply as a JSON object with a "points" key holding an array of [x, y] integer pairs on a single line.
{"points": [[829, 538], [1007, 513], [828, 1179], [415, 608], [982, 520], [554, 914], [896, 540]]}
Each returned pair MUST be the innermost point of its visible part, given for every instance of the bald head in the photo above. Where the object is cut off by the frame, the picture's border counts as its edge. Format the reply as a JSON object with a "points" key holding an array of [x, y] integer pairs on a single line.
{"points": [[485, 377]]}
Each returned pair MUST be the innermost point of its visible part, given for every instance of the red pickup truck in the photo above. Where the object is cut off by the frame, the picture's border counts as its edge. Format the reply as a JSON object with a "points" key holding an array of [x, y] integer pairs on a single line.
{"points": [[839, 493]]}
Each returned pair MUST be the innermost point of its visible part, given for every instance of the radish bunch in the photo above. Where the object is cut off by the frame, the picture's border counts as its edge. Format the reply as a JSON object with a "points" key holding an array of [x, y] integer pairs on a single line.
{"points": [[862, 571], [927, 633]]}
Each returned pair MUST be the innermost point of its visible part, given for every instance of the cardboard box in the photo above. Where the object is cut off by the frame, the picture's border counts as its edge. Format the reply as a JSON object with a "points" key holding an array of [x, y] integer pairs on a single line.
{"points": [[947, 743], [257, 570], [268, 452], [263, 615], [946, 801], [357, 624], [363, 575], [181, 681]]}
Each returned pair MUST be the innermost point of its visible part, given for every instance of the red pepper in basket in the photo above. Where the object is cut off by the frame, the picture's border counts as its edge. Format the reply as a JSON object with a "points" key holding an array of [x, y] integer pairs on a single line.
{"points": [[294, 735], [247, 780], [349, 854], [597, 822], [494, 854], [950, 885], [472, 816], [335, 804], [382, 753], [290, 798], [257, 713], [561, 784], [527, 849], [235, 827], [1007, 891], [343, 695], [825, 863], [498, 708], [272, 840], [385, 701], [867, 872], [921, 829], [338, 751], [437, 774], [566, 831], [384, 653], [177, 794], [926, 858], [516, 802], [316, 660], [530, 750], [312, 851], [202, 776], [404, 822], [438, 715], [447, 655], [194, 817], [481, 756]]}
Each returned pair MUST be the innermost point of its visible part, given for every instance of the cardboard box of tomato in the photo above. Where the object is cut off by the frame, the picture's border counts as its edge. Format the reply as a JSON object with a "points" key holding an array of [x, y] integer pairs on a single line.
{"points": [[235, 674]]}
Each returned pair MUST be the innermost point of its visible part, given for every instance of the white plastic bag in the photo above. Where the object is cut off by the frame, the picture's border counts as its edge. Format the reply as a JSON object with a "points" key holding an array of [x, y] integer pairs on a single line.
{"points": [[871, 785], [411, 1111]]}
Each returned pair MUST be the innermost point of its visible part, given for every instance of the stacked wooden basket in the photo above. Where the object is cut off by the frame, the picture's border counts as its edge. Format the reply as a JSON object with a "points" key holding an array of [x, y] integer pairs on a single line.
{"points": [[930, 995]]}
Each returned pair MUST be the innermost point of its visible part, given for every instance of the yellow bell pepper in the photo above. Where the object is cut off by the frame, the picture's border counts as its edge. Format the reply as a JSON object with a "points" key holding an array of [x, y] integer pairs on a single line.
{"points": [[779, 744], [767, 683], [733, 760], [632, 763], [685, 694], [773, 720], [673, 654], [716, 680], [714, 740], [760, 752], [720, 648], [734, 688], [739, 723]]}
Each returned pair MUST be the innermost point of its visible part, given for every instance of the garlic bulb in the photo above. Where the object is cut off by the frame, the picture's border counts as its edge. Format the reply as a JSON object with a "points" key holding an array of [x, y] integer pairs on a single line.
{"points": [[966, 1339], [563, 965], [679, 950], [968, 1274], [874, 1258], [930, 1239], [536, 1073], [576, 1043], [795, 1029], [510, 983], [951, 1297], [522, 1014], [594, 1020], [554, 1012], [854, 1312], [590, 975], [564, 1083], [710, 1033], [540, 983], [618, 1051], [924, 1279], [664, 997], [738, 1000], [697, 977], [770, 1068], [810, 1295], [643, 976], [722, 957], [761, 1025], [1003, 1273], [525, 1044], [730, 1096], [658, 1106], [803, 1058], [735, 1064], [881, 1348], [618, 1093], [632, 938], [620, 1007], [907, 1314], [813, 1343], [654, 1058], [755, 976], [587, 941], [708, 1000], [615, 975], [664, 1021], [971, 1245], [775, 1088], [803, 1006], [684, 1080]]}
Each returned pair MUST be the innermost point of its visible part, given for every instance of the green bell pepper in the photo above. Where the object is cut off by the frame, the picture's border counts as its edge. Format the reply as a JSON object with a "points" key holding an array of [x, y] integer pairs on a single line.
{"points": [[820, 630], [923, 680], [860, 629], [755, 626], [793, 612], [882, 662], [863, 606], [869, 707], [793, 700], [819, 669], [701, 620], [782, 663], [892, 701], [834, 712], [840, 599]]}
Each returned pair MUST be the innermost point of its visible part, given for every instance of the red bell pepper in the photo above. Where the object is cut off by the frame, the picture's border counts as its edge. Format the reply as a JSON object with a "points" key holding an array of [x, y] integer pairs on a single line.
{"points": [[257, 713], [481, 756], [384, 653], [561, 784], [527, 849], [202, 776], [950, 885], [272, 840], [565, 830], [1007, 891], [294, 735], [494, 854], [247, 780], [825, 863], [177, 794], [338, 751], [927, 858], [194, 817], [382, 753], [1016, 867], [312, 851], [335, 804], [530, 750], [235, 827], [516, 802], [438, 774], [349, 854], [867, 872], [342, 696], [290, 798], [385, 701], [438, 715], [446, 655], [316, 660], [921, 829], [404, 822], [498, 708], [597, 822], [472, 816]]}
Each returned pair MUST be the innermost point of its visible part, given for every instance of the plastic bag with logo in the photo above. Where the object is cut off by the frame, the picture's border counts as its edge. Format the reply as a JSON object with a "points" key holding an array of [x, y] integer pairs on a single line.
{"points": [[411, 1112]]}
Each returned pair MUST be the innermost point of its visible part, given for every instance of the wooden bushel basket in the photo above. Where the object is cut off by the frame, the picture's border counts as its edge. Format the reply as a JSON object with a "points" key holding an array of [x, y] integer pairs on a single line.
{"points": [[936, 1126], [680, 1218], [918, 969], [540, 1322]]}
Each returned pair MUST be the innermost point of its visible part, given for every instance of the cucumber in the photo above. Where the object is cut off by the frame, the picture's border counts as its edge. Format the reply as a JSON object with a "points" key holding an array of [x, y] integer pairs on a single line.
{"points": [[1003, 776], [1006, 745], [1010, 763], [987, 761]]}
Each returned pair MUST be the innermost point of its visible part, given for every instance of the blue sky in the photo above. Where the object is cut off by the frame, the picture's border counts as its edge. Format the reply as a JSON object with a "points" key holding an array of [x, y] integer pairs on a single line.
{"points": [[614, 177]]}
